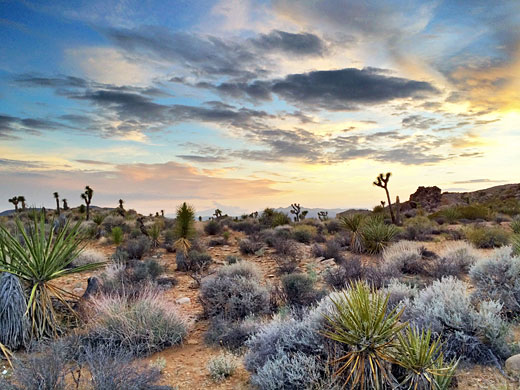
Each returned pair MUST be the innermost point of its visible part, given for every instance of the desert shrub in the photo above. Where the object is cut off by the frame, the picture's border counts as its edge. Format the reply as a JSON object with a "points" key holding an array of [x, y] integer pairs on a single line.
{"points": [[473, 212], [169, 240], [286, 247], [477, 335], [140, 326], [515, 244], [112, 369], [404, 257], [515, 225], [418, 228], [352, 269], [454, 260], [280, 219], [195, 261], [14, 324], [498, 278], [112, 221], [89, 229], [288, 372], [331, 250], [149, 269], [333, 226], [234, 292], [276, 342], [398, 292], [248, 226], [230, 334], [487, 237], [222, 366], [304, 233], [377, 235], [299, 289], [353, 223], [217, 241], [212, 228], [137, 248], [89, 256], [249, 246], [232, 259]]}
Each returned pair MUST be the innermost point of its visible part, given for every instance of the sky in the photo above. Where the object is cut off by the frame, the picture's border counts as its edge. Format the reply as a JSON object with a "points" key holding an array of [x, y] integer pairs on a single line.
{"points": [[242, 104]]}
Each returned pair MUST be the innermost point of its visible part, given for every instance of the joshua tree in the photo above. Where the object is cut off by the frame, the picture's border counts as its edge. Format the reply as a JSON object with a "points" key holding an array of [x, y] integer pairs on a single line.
{"points": [[21, 199], [323, 215], [162, 213], [200, 218], [296, 210], [121, 202], [120, 208], [304, 214], [382, 181], [57, 197], [14, 200], [184, 230], [65, 205], [218, 213], [87, 197]]}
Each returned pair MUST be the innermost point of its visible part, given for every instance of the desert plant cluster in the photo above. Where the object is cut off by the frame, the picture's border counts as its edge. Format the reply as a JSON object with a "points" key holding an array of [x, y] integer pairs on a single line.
{"points": [[390, 298]]}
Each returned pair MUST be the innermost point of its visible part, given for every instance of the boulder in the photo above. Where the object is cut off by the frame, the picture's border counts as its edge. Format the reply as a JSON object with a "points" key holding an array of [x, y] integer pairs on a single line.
{"points": [[428, 198], [513, 365]]}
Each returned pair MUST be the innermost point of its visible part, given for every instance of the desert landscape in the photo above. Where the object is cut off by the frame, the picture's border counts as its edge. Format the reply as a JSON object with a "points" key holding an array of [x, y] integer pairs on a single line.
{"points": [[259, 194], [117, 300]]}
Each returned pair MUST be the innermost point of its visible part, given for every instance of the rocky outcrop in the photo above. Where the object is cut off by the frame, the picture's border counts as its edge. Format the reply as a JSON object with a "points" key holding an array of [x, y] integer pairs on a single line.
{"points": [[427, 198]]}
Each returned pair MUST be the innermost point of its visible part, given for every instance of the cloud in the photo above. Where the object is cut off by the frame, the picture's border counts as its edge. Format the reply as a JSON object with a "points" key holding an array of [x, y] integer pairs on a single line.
{"points": [[419, 122], [472, 181], [301, 44], [12, 127], [334, 90]]}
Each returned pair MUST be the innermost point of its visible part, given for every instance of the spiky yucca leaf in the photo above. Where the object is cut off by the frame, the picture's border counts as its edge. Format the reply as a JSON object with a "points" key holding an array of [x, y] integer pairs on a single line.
{"points": [[422, 358], [41, 259], [377, 235], [353, 224], [360, 320]]}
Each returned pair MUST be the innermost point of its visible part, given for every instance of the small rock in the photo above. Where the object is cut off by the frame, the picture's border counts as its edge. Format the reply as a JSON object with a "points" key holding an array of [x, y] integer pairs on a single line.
{"points": [[513, 365], [78, 291], [183, 300], [193, 342], [270, 276]]}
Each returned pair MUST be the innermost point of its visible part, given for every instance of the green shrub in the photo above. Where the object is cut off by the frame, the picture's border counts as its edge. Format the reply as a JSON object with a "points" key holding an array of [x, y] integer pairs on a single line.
{"points": [[212, 228], [515, 225], [418, 228], [117, 235], [299, 289], [136, 248], [487, 237], [353, 223], [377, 235], [195, 261], [304, 233], [222, 366]]}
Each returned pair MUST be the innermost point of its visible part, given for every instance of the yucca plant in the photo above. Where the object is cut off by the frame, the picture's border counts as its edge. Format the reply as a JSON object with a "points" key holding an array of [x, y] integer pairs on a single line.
{"points": [[117, 235], [38, 261], [515, 241], [360, 319], [184, 227], [353, 224], [377, 235], [155, 233], [423, 361]]}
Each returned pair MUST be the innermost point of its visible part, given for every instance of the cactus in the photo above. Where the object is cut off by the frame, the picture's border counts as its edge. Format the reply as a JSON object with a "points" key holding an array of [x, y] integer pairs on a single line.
{"points": [[382, 181], [323, 215], [87, 197], [57, 197], [296, 210]]}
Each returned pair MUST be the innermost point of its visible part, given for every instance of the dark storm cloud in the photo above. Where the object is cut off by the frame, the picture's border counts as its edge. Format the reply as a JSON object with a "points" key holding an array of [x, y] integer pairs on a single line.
{"points": [[343, 89], [301, 44]]}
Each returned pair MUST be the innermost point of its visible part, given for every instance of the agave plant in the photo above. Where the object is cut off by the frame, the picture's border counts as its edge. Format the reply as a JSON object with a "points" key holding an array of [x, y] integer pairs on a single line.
{"points": [[353, 223], [360, 320], [38, 261], [423, 361]]}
